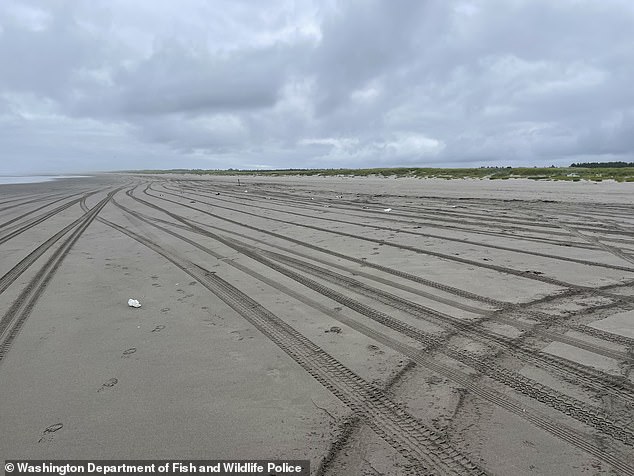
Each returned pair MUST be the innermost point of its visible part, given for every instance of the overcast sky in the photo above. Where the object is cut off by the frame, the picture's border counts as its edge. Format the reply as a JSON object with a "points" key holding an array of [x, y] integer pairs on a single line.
{"points": [[120, 84]]}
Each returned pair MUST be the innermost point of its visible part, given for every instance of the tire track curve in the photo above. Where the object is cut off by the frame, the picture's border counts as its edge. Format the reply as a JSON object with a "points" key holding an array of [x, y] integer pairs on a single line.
{"points": [[43, 217], [493, 267], [441, 237], [571, 436], [424, 447], [13, 320]]}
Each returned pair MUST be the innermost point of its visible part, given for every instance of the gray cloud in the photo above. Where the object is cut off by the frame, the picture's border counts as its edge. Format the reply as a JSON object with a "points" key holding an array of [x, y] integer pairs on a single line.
{"points": [[176, 78], [118, 84]]}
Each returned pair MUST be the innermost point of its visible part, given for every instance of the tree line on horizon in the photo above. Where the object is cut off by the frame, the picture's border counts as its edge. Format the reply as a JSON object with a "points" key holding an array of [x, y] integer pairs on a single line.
{"points": [[595, 165]]}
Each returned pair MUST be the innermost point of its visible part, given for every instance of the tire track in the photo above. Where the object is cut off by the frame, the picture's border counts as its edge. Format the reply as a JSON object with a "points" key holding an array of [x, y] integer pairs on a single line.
{"points": [[434, 215], [616, 386], [449, 238], [413, 211], [43, 217], [610, 249], [519, 324], [417, 310], [355, 272], [311, 206], [422, 446], [434, 236], [394, 301], [14, 318], [408, 276], [605, 335], [548, 320], [580, 411], [568, 435], [349, 427], [385, 269], [585, 413], [15, 272], [505, 307], [24, 215], [499, 234], [37, 199], [329, 203], [498, 268], [17, 199]]}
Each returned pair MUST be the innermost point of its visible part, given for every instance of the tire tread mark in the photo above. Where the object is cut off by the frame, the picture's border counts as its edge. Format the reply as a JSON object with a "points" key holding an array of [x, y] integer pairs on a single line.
{"points": [[498, 268], [571, 436], [591, 377], [610, 249], [449, 238], [13, 320], [24, 215], [408, 276], [37, 220], [472, 328], [409, 436], [436, 254], [570, 406], [521, 307]]}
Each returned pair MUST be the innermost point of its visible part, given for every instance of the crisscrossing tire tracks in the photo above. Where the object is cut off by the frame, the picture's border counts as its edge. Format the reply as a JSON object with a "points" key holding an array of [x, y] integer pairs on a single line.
{"points": [[581, 412], [425, 448]]}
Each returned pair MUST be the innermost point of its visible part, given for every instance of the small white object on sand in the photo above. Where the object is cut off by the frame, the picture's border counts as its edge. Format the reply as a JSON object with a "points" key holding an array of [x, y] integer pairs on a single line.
{"points": [[134, 303], [387, 210]]}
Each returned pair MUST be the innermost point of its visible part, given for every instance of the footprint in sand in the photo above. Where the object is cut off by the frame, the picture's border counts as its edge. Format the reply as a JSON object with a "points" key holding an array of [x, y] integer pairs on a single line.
{"points": [[47, 434], [375, 348], [186, 296], [129, 351], [158, 328], [108, 384]]}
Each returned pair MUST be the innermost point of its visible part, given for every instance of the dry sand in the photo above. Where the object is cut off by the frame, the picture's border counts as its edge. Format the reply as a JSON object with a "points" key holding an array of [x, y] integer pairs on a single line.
{"points": [[478, 326]]}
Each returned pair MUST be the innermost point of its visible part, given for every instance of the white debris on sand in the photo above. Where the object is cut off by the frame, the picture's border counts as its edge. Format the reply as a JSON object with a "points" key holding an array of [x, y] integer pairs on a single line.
{"points": [[134, 303], [387, 209]]}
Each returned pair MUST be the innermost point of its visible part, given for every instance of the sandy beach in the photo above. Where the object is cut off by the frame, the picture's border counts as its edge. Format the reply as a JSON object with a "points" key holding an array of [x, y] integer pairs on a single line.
{"points": [[370, 325]]}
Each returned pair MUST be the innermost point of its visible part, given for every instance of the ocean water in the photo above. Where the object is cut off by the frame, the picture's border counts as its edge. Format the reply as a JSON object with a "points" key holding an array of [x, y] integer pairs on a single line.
{"points": [[34, 178]]}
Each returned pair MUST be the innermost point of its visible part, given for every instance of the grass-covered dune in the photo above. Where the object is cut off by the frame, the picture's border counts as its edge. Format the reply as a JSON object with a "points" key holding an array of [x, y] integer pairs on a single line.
{"points": [[575, 174]]}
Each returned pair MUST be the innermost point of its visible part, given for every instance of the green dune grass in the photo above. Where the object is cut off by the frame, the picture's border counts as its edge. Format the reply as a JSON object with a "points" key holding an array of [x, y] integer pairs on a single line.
{"points": [[574, 174]]}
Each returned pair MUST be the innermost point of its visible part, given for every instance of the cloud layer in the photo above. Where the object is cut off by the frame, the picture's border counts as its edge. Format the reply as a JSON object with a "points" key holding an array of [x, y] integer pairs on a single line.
{"points": [[114, 84]]}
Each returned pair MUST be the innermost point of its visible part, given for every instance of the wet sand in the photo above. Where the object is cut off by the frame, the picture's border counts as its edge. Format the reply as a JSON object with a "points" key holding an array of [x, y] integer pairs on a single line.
{"points": [[476, 326]]}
